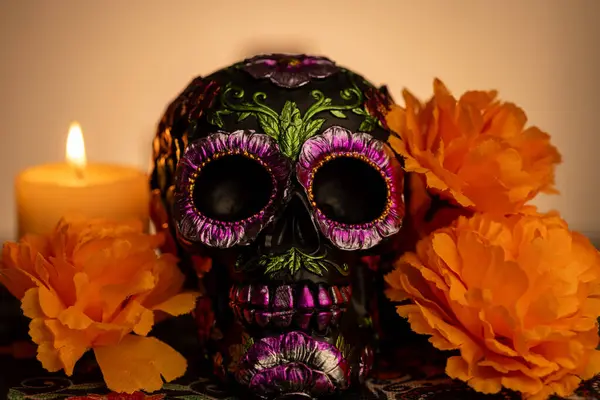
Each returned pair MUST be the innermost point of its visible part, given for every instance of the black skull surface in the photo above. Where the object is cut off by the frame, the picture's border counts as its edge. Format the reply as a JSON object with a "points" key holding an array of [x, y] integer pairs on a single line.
{"points": [[276, 169]]}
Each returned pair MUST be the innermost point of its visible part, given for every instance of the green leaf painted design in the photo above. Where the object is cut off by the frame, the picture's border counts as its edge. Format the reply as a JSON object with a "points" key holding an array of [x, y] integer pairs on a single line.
{"points": [[215, 119], [269, 125], [289, 127], [343, 347], [292, 261], [360, 111], [368, 124], [247, 342], [337, 113], [343, 269], [243, 116], [312, 128]]}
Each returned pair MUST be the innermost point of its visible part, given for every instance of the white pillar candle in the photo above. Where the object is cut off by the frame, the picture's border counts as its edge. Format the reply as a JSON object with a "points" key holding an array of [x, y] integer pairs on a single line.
{"points": [[46, 193]]}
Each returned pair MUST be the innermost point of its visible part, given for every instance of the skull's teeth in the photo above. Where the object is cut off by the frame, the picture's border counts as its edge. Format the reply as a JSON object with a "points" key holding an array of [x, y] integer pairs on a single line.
{"points": [[284, 298], [284, 305], [306, 299], [324, 297], [323, 319], [259, 295]]}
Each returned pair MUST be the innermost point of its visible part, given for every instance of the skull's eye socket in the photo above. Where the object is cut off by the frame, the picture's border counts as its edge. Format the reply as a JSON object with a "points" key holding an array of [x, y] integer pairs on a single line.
{"points": [[355, 184], [350, 191], [228, 188], [232, 188]]}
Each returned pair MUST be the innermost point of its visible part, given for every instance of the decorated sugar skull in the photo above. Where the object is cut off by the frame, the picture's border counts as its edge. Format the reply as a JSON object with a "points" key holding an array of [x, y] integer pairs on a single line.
{"points": [[275, 171]]}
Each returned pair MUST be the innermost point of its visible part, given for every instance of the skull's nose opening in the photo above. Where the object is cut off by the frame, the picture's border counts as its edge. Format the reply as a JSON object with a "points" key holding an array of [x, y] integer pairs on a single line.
{"points": [[294, 229]]}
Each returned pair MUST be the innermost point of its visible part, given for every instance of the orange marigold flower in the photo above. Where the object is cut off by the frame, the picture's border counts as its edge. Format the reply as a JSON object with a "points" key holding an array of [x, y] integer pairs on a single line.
{"points": [[90, 284], [518, 296], [474, 150], [427, 212]]}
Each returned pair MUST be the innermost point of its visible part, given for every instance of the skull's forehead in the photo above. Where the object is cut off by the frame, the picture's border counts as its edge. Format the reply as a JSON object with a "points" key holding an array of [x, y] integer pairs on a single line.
{"points": [[242, 101]]}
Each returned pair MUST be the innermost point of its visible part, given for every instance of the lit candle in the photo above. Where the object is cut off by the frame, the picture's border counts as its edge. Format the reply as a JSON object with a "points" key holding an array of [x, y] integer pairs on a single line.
{"points": [[49, 192]]}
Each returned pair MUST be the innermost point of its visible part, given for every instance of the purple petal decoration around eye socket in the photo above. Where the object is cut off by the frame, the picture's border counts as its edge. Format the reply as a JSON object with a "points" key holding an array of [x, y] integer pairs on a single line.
{"points": [[195, 227], [336, 142]]}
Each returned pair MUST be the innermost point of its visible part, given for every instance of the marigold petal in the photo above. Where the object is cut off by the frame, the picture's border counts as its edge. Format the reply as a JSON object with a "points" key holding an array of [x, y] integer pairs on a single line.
{"points": [[592, 368], [486, 385], [131, 316], [61, 273], [419, 325], [16, 281], [457, 368], [71, 344], [424, 292], [522, 383], [88, 296], [74, 318], [38, 331], [30, 304], [50, 304], [493, 343], [439, 342], [145, 323], [565, 354], [169, 281], [566, 386], [114, 295], [398, 144], [179, 304], [395, 295], [412, 165], [48, 356], [394, 291], [41, 268], [445, 247], [469, 350], [137, 363], [506, 365]]}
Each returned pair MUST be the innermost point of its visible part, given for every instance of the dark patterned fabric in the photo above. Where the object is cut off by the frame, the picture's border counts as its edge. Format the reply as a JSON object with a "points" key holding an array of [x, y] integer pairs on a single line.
{"points": [[397, 388]]}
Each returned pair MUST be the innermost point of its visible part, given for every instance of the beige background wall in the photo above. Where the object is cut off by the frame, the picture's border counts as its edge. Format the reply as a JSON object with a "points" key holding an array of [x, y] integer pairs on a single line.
{"points": [[114, 64]]}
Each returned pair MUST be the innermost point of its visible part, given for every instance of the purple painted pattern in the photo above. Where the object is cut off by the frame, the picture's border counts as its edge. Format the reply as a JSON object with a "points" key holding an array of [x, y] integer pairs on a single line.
{"points": [[195, 227], [289, 71], [340, 142], [293, 362], [284, 306]]}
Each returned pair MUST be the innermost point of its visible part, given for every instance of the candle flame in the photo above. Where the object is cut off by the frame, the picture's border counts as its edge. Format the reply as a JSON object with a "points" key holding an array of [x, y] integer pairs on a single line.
{"points": [[75, 147]]}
